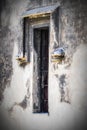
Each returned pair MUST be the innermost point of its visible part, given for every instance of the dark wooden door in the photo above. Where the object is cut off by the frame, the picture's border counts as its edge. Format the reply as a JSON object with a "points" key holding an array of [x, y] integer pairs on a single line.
{"points": [[41, 44], [44, 69]]}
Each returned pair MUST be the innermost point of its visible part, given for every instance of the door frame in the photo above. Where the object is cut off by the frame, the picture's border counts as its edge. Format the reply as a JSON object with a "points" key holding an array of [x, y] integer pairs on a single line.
{"points": [[54, 34]]}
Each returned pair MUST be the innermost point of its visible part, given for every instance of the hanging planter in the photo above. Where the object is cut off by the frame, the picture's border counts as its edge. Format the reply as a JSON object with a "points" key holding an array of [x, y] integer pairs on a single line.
{"points": [[22, 61], [58, 55]]}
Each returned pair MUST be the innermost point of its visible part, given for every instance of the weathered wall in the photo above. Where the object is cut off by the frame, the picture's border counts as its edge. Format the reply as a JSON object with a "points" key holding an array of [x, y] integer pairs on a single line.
{"points": [[71, 75]]}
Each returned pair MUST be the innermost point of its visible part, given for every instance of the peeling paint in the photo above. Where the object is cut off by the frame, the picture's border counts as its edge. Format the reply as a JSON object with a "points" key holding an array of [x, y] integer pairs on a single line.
{"points": [[67, 81], [22, 104]]}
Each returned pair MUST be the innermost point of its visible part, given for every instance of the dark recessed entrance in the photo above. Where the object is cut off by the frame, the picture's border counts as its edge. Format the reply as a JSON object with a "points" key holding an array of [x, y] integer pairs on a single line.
{"points": [[40, 70]]}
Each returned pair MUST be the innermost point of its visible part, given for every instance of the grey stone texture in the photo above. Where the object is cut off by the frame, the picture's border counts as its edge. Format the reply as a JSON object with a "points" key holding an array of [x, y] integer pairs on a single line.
{"points": [[72, 32]]}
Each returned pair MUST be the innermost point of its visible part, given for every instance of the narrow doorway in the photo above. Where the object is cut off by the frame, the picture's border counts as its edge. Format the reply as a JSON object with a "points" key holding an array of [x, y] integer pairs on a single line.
{"points": [[40, 70]]}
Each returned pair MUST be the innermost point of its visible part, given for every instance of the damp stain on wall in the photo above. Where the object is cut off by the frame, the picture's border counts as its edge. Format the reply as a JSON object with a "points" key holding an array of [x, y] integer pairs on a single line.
{"points": [[25, 102], [63, 89]]}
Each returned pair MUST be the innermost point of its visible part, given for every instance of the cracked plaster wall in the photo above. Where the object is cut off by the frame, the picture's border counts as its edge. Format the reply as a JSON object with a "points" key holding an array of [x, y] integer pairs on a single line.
{"points": [[16, 82]]}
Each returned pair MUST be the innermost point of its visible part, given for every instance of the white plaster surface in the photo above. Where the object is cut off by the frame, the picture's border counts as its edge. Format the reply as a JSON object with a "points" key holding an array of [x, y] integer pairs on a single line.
{"points": [[61, 115]]}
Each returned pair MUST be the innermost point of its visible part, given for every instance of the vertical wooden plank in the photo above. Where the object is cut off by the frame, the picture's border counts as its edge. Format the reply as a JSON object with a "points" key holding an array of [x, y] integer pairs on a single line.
{"points": [[36, 71], [26, 38]]}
